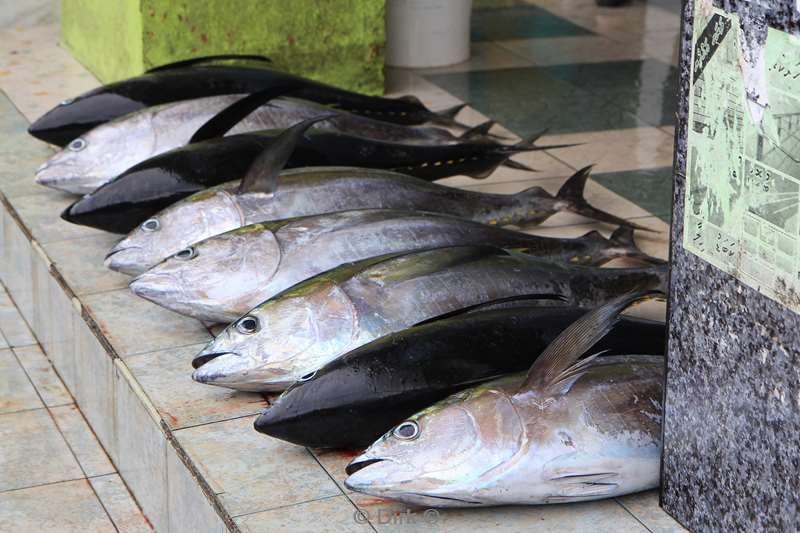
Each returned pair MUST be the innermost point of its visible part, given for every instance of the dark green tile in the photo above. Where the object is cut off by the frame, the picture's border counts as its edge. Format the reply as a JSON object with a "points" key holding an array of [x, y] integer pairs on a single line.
{"points": [[520, 22], [655, 107], [673, 6], [650, 189], [641, 74], [527, 100]]}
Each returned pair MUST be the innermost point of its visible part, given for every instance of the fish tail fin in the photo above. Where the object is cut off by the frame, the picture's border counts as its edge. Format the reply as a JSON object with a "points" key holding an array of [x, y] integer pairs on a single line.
{"points": [[510, 163], [620, 244], [528, 144], [571, 199], [447, 117], [624, 243], [481, 130]]}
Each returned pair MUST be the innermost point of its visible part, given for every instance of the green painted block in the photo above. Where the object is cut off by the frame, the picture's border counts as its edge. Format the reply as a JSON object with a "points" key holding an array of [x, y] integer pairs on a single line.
{"points": [[340, 42]]}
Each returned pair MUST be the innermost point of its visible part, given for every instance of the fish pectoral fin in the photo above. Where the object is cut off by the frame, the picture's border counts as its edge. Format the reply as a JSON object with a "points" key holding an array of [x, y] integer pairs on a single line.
{"points": [[559, 365], [222, 122], [509, 301], [593, 478], [583, 485]]}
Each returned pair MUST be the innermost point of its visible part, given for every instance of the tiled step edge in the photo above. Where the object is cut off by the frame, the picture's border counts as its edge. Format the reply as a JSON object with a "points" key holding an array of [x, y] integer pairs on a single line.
{"points": [[159, 473]]}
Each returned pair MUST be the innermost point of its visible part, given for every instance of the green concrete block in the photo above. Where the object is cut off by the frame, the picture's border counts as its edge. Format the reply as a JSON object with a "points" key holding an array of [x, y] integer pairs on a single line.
{"points": [[339, 42]]}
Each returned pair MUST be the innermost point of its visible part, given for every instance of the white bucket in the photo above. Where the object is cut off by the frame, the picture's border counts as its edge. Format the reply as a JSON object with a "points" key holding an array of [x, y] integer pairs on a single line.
{"points": [[427, 33]]}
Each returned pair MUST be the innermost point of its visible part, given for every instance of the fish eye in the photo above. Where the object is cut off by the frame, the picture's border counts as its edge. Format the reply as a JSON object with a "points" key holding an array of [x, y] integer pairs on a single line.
{"points": [[77, 145], [308, 376], [151, 225], [408, 430], [248, 325], [186, 254], [66, 101]]}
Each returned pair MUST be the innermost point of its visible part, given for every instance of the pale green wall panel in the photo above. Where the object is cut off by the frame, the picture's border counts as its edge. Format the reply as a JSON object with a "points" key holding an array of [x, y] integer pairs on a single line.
{"points": [[336, 41], [104, 35]]}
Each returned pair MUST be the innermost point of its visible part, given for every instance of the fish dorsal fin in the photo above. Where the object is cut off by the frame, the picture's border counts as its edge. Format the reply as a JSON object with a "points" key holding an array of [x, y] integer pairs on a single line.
{"points": [[262, 176], [222, 122], [207, 59], [558, 366]]}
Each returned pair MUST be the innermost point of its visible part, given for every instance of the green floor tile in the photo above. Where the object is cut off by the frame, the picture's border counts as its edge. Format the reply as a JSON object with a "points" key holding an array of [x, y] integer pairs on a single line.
{"points": [[570, 98], [673, 6], [650, 189], [527, 100], [642, 74], [655, 107], [520, 22]]}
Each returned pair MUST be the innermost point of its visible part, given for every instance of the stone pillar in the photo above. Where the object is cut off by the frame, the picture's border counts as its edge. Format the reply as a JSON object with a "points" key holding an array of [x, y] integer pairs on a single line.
{"points": [[732, 402]]}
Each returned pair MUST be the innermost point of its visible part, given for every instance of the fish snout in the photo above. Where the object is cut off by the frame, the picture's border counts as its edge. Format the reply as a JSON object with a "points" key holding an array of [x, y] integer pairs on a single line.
{"points": [[125, 259], [51, 175], [63, 176], [154, 286], [373, 475], [218, 368]]}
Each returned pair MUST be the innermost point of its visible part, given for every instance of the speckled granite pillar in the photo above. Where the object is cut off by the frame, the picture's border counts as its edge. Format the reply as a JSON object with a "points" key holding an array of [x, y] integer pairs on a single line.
{"points": [[732, 408]]}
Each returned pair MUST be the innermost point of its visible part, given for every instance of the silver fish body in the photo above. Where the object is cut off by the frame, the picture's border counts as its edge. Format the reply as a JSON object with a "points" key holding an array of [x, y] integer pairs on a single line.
{"points": [[316, 321], [108, 150], [313, 191], [222, 277], [498, 445]]}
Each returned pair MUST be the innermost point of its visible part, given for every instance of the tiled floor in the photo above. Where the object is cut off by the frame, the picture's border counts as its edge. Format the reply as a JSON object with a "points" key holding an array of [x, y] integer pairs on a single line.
{"points": [[600, 77], [54, 476]]}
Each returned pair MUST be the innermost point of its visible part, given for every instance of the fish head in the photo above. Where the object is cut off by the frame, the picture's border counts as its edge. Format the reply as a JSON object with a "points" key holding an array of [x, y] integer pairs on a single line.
{"points": [[444, 454], [283, 340], [98, 155], [73, 116], [214, 279], [198, 217]]}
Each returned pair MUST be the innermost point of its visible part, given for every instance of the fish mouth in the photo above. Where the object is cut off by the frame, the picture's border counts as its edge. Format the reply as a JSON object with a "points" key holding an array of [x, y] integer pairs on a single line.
{"points": [[203, 358], [59, 176], [153, 286], [124, 260], [355, 466]]}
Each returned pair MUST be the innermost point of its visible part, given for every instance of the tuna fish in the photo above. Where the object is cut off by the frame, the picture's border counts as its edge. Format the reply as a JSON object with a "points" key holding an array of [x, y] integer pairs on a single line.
{"points": [[108, 150], [222, 277], [355, 399], [140, 192], [321, 319], [570, 430], [319, 190], [187, 80]]}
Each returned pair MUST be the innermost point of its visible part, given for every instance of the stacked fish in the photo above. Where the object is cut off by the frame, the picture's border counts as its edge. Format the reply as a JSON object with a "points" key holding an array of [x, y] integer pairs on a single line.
{"points": [[396, 314]]}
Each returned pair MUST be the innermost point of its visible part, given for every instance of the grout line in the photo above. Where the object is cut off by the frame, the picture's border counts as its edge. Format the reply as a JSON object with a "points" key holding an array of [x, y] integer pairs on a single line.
{"points": [[45, 485], [201, 424], [91, 429], [24, 410], [633, 515], [124, 357], [288, 505], [61, 432], [335, 482]]}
